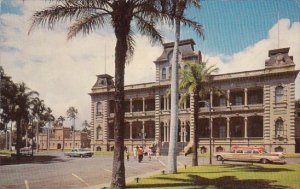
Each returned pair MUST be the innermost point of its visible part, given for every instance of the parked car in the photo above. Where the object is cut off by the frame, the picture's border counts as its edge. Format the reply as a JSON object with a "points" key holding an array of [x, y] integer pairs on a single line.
{"points": [[250, 154], [26, 151], [79, 152]]}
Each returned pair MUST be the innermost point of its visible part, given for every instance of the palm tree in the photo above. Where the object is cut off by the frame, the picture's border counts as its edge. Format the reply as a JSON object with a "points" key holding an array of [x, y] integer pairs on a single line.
{"points": [[196, 81], [87, 16], [85, 125], [24, 101], [61, 119], [38, 110], [48, 118], [72, 115], [177, 11]]}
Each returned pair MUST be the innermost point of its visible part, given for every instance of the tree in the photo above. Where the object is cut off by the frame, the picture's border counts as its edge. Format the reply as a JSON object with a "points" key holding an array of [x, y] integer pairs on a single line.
{"points": [[87, 16], [61, 119], [177, 9], [85, 125], [72, 115], [297, 108], [24, 101], [38, 110], [196, 80]]}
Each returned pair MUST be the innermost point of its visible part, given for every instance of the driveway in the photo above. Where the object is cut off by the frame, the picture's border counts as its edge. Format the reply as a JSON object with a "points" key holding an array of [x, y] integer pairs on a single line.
{"points": [[54, 170]]}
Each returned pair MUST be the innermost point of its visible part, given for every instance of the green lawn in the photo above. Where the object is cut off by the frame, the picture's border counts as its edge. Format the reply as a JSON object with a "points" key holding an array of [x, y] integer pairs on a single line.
{"points": [[226, 176], [7, 152], [108, 153]]}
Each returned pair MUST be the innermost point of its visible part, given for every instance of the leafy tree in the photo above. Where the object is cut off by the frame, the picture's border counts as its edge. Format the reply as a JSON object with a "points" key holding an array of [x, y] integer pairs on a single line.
{"points": [[297, 107], [196, 81], [176, 10]]}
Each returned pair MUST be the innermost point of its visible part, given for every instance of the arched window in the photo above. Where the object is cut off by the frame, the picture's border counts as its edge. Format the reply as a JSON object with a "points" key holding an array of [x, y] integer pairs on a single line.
{"points": [[163, 73], [279, 94], [98, 133], [99, 107], [279, 130]]}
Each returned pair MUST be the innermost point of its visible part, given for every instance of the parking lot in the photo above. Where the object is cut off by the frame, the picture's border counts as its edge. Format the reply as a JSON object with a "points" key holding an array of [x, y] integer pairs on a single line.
{"points": [[54, 170]]}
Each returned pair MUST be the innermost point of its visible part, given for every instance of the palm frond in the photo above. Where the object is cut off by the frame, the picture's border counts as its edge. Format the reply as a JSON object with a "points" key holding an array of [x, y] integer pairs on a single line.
{"points": [[88, 24], [194, 25], [148, 28]]}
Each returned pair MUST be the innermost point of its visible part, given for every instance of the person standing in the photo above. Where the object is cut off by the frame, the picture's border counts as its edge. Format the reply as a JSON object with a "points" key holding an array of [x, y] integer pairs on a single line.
{"points": [[135, 152], [149, 151], [140, 154]]}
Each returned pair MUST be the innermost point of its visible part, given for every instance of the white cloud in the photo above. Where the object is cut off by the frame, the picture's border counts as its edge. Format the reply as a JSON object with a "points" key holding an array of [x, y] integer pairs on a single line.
{"points": [[253, 57], [62, 71]]}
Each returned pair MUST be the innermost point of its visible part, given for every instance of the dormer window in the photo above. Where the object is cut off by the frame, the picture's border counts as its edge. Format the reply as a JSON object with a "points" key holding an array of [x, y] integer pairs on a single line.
{"points": [[279, 94], [163, 73]]}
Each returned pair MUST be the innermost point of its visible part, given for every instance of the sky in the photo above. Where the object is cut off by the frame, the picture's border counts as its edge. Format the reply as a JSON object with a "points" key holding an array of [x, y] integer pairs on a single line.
{"points": [[237, 37]]}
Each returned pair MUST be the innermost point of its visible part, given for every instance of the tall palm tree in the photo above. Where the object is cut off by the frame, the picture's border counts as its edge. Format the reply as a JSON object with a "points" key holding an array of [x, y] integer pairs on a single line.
{"points": [[24, 101], [87, 16], [48, 118], [38, 110], [72, 115], [196, 80], [177, 11]]}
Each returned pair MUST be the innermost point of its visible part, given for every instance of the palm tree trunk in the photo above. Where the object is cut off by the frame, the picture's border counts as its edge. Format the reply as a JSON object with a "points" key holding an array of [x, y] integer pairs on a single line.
{"points": [[172, 156], [196, 129], [6, 142], [118, 172]]}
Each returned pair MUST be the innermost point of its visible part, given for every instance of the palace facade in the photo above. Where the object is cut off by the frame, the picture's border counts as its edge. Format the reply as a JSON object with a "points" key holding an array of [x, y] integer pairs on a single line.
{"points": [[256, 109]]}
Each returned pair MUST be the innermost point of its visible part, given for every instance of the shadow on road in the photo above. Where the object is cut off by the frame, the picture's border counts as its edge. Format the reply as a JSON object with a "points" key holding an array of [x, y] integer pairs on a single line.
{"points": [[44, 159], [225, 182]]}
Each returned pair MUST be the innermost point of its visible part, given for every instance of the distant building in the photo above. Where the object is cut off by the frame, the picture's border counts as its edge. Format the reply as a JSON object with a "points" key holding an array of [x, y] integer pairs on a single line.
{"points": [[62, 138], [257, 108]]}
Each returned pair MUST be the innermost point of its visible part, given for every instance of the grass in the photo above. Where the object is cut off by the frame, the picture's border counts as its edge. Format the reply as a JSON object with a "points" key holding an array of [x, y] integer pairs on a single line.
{"points": [[106, 153], [226, 176], [7, 152]]}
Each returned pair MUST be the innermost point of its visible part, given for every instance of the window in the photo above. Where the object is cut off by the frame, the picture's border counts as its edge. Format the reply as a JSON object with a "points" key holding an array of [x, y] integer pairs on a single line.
{"points": [[170, 72], [222, 101], [99, 107], [279, 94], [238, 100], [279, 128], [98, 133], [163, 73]]}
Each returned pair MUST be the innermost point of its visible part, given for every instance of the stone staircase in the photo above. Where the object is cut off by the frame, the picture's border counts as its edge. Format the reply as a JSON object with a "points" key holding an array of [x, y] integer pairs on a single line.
{"points": [[179, 148]]}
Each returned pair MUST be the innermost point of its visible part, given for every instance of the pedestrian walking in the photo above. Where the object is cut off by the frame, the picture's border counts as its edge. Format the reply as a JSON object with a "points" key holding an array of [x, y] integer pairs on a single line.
{"points": [[135, 152], [127, 155], [140, 153], [149, 151]]}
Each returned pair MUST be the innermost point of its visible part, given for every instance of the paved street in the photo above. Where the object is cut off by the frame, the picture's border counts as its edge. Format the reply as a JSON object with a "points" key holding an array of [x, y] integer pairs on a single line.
{"points": [[58, 171]]}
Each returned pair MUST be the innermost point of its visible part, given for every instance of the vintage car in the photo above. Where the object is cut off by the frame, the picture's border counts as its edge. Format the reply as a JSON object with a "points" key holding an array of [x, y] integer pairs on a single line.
{"points": [[26, 151], [250, 154], [79, 152]]}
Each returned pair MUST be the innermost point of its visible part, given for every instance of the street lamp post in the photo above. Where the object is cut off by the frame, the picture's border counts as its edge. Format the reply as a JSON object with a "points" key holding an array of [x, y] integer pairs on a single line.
{"points": [[142, 135]]}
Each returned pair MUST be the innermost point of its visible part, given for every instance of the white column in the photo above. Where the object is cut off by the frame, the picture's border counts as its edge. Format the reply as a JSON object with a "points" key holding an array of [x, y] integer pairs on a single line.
{"points": [[228, 100], [246, 122], [227, 129], [165, 133], [130, 129], [211, 99], [246, 96], [143, 104]]}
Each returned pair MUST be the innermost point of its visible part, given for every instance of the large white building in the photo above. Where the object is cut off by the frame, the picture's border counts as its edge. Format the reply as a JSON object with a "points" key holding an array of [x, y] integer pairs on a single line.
{"points": [[257, 108]]}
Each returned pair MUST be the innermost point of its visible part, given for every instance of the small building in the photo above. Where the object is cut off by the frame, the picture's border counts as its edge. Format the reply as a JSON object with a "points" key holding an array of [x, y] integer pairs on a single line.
{"points": [[61, 138]]}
